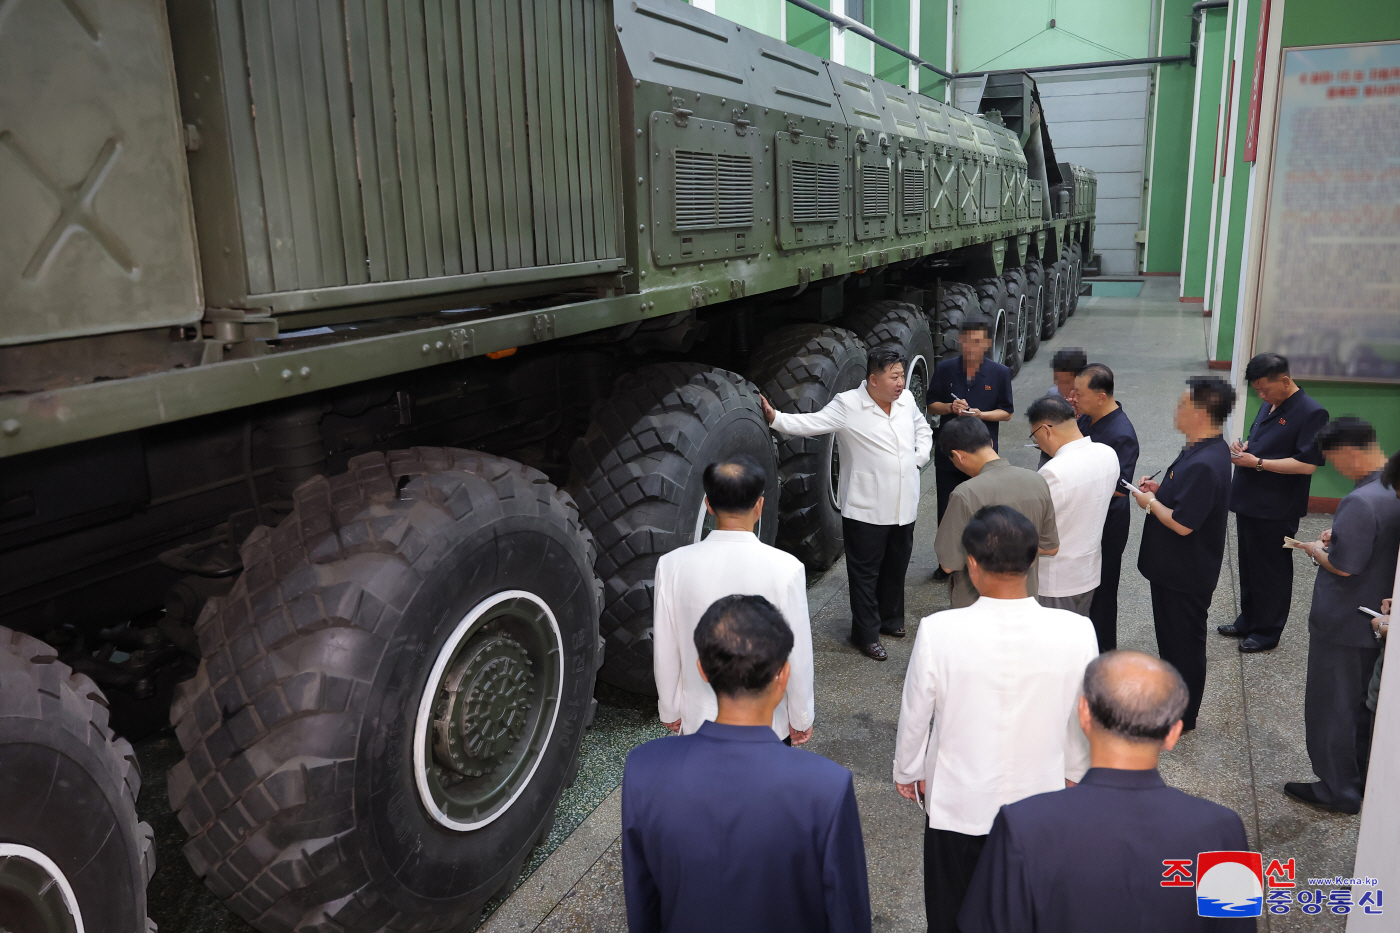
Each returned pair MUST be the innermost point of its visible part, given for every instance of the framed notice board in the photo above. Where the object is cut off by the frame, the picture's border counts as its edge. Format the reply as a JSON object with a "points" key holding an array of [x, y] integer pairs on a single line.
{"points": [[1329, 287]]}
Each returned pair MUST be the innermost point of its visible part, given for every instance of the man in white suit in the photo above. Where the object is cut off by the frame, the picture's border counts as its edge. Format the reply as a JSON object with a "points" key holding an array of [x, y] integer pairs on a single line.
{"points": [[730, 561], [884, 439]]}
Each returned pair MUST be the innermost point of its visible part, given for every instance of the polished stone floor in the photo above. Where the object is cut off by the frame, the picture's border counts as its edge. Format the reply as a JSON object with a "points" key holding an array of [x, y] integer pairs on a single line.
{"points": [[1249, 742]]}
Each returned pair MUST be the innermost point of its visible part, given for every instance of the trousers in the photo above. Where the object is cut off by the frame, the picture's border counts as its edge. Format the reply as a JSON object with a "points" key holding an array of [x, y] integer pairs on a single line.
{"points": [[877, 558], [949, 861], [946, 480], [1180, 621], [1266, 575], [1079, 603], [1103, 611], [1336, 721]]}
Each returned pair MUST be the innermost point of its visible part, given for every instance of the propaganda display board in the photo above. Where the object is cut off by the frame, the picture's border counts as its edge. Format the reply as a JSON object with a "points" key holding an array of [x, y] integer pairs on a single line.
{"points": [[1329, 293]]}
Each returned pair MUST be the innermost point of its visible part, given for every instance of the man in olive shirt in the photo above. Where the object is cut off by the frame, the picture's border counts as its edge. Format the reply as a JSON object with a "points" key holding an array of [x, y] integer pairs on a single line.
{"points": [[1356, 567], [993, 481]]}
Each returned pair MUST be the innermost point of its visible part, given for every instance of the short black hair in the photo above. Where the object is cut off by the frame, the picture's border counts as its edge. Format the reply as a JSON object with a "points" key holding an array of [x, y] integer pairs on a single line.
{"points": [[1050, 409], [1214, 395], [1138, 709], [1345, 432], [1390, 476], [735, 484], [966, 434], [1100, 377], [1001, 540], [743, 642], [979, 322], [1265, 366], [1069, 360], [882, 358]]}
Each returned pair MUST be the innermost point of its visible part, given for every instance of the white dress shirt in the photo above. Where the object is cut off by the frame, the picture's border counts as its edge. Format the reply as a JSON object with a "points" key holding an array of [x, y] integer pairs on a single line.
{"points": [[1000, 681], [688, 580], [880, 454], [1082, 477]]}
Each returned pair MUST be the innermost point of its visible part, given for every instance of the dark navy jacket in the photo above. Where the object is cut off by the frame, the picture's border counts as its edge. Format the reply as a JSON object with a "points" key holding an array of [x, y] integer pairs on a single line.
{"points": [[1287, 431], [1196, 488], [1089, 859], [730, 830], [1115, 430]]}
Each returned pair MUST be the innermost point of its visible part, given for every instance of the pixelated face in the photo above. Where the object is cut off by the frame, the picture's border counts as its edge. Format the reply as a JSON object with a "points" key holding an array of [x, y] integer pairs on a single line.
{"points": [[974, 343]]}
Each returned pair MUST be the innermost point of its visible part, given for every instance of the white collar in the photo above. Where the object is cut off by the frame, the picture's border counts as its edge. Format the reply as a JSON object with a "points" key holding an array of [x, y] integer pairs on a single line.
{"points": [[722, 536], [1073, 445]]}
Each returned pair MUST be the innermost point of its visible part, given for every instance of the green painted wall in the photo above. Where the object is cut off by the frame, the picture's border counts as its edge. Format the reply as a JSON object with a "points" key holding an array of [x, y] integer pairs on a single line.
{"points": [[765, 16], [809, 32], [994, 34], [933, 45], [890, 20], [1376, 403], [1209, 59], [1170, 154], [1326, 22]]}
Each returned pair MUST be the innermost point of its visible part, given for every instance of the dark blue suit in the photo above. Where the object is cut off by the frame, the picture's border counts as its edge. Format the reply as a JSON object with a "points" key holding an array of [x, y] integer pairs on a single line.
{"points": [[730, 830], [1089, 858]]}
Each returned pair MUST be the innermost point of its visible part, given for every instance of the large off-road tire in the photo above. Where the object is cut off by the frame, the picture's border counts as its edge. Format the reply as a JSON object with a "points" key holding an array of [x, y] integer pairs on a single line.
{"points": [[391, 697], [1017, 318], [1076, 275], [638, 479], [959, 302], [1035, 307], [898, 324], [72, 853], [1066, 276], [991, 295], [1050, 322], [801, 368]]}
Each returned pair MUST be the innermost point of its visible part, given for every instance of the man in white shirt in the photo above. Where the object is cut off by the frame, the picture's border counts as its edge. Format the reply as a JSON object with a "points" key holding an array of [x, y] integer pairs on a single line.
{"points": [[1082, 476], [884, 439], [999, 681], [729, 561]]}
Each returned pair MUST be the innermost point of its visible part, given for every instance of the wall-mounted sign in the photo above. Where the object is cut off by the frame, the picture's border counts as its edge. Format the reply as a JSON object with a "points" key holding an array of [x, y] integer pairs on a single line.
{"points": [[1329, 293]]}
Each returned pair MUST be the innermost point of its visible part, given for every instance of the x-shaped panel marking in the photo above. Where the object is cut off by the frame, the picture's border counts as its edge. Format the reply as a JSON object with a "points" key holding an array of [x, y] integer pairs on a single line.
{"points": [[945, 183], [971, 185], [75, 208]]}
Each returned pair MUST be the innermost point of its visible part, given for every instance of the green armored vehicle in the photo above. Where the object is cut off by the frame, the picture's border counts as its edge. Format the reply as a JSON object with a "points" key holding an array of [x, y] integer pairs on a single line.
{"points": [[358, 360]]}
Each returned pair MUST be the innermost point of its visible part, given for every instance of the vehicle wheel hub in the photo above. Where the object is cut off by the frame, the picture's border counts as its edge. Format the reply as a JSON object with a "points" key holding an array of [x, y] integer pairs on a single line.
{"points": [[35, 896], [484, 706]]}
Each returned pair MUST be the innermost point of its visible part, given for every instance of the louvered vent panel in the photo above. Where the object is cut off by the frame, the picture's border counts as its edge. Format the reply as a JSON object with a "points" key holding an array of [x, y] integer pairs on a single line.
{"points": [[912, 195], [697, 176], [875, 190], [816, 192], [735, 201], [713, 190]]}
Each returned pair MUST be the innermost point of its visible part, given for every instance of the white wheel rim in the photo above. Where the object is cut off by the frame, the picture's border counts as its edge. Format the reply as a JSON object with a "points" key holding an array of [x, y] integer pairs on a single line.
{"points": [[423, 722], [9, 850]]}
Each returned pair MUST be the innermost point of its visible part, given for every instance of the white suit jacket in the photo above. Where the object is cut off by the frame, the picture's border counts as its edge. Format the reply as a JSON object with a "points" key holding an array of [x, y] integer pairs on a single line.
{"points": [[688, 580], [880, 454], [990, 713]]}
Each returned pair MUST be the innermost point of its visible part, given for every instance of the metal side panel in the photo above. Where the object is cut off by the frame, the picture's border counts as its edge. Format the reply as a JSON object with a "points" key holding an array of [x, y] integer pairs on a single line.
{"points": [[943, 190], [969, 189], [376, 150], [97, 234], [814, 202], [706, 176], [874, 186], [863, 101]]}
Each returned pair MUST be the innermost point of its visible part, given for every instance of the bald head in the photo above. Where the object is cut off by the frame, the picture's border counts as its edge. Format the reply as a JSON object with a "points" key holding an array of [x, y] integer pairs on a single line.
{"points": [[1133, 695]]}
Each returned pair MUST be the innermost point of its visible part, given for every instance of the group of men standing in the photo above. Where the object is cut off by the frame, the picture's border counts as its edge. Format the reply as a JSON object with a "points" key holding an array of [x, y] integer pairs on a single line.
{"points": [[1014, 694]]}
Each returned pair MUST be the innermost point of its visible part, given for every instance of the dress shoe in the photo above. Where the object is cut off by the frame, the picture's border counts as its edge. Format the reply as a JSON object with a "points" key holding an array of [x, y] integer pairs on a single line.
{"points": [[892, 632], [874, 651], [1230, 631], [1255, 643], [940, 574], [1307, 793]]}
